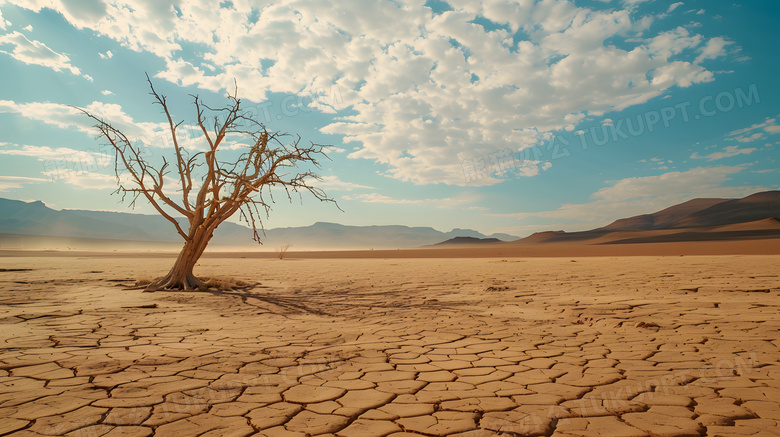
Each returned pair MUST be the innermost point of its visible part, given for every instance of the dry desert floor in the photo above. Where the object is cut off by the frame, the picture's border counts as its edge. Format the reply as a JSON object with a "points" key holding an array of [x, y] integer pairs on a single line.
{"points": [[601, 346]]}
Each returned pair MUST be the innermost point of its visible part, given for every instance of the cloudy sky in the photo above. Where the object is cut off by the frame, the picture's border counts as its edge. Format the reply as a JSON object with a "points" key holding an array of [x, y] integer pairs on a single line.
{"points": [[496, 115]]}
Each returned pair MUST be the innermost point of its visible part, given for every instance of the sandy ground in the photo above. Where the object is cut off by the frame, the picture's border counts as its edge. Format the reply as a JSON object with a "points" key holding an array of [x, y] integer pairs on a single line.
{"points": [[630, 346]]}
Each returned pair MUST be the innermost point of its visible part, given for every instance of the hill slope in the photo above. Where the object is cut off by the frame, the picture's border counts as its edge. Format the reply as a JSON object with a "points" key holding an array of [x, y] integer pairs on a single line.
{"points": [[663, 218], [752, 217], [467, 241], [755, 207]]}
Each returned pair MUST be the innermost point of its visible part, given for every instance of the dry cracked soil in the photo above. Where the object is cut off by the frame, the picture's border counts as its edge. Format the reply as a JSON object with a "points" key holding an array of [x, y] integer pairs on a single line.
{"points": [[632, 346]]}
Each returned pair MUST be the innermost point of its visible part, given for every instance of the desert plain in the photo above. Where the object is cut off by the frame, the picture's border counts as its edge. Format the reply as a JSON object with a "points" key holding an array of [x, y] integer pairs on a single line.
{"points": [[401, 347]]}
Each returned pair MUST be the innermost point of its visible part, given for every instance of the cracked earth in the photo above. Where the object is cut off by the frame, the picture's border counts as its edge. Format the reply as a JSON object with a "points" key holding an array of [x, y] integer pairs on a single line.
{"points": [[635, 346]]}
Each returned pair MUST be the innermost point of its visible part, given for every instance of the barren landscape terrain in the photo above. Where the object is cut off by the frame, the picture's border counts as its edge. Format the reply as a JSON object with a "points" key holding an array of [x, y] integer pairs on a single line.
{"points": [[587, 346]]}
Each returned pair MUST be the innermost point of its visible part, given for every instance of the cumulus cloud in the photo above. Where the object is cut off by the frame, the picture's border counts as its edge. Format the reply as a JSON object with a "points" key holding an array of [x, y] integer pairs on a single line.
{"points": [[727, 152], [44, 153], [423, 91], [37, 53], [67, 117], [714, 48], [80, 13], [55, 114], [643, 195], [3, 22]]}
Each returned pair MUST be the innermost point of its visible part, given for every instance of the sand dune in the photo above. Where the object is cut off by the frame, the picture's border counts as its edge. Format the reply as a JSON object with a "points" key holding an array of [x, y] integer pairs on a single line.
{"points": [[631, 346]]}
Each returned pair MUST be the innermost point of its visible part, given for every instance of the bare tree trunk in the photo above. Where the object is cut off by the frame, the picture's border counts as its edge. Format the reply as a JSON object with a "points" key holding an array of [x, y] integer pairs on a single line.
{"points": [[181, 276]]}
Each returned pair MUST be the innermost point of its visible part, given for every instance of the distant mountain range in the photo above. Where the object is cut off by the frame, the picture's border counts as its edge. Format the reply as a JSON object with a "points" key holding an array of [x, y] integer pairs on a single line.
{"points": [[18, 218], [752, 217]]}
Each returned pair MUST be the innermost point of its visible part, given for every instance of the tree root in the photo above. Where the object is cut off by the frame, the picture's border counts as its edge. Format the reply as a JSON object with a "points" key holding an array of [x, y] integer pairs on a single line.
{"points": [[191, 283], [169, 283]]}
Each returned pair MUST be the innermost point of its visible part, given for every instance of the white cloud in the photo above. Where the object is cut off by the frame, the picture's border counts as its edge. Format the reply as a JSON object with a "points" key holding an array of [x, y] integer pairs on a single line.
{"points": [[695, 181], [77, 12], [107, 93], [643, 195], [380, 198], [333, 183], [15, 182], [769, 126], [55, 114], [234, 146], [67, 117], [84, 180], [63, 164], [3, 22], [424, 91], [37, 53], [633, 3], [749, 138], [333, 149], [106, 55], [714, 48], [674, 6], [443, 203], [62, 154], [727, 152]]}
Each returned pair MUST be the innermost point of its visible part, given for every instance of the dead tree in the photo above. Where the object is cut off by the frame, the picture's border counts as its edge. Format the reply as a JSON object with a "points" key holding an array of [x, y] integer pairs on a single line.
{"points": [[241, 185], [281, 251]]}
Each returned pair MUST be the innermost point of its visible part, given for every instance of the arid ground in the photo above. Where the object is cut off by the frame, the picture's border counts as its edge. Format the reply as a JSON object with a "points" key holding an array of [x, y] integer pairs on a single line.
{"points": [[589, 346]]}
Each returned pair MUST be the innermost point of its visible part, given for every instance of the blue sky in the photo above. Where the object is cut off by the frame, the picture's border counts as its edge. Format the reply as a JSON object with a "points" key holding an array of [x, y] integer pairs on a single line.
{"points": [[499, 116]]}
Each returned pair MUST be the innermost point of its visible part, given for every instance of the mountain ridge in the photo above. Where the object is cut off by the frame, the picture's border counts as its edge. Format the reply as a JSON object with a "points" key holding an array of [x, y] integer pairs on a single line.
{"points": [[699, 219], [664, 217], [36, 219]]}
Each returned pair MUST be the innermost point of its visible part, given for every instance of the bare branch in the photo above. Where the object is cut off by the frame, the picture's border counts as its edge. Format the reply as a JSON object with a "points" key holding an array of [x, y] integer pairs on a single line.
{"points": [[228, 185], [184, 174]]}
